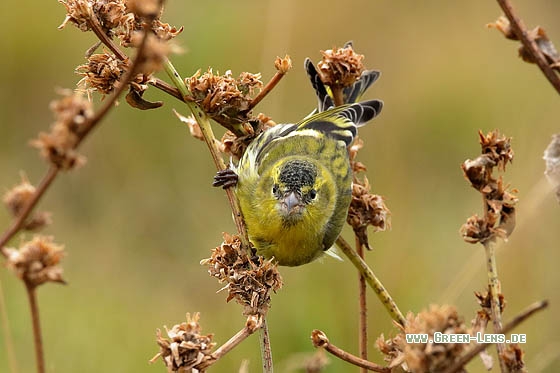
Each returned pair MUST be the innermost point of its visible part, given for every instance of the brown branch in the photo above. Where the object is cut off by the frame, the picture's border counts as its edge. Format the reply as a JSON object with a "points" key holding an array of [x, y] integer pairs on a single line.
{"points": [[37, 336], [530, 45], [267, 88], [88, 127], [166, 87], [240, 336], [524, 315], [320, 339], [363, 325], [102, 36], [338, 97]]}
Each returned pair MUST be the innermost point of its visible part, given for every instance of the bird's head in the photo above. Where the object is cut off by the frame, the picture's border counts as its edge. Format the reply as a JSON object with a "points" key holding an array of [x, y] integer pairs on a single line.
{"points": [[298, 188]]}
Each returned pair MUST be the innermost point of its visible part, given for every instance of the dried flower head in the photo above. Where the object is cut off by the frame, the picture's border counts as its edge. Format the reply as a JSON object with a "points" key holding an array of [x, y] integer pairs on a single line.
{"points": [[250, 281], [366, 209], [109, 14], [184, 348], [426, 357], [498, 147], [17, 198], [224, 98], [340, 67], [101, 73], [499, 214], [36, 261], [283, 65], [513, 358], [71, 113], [235, 146]]}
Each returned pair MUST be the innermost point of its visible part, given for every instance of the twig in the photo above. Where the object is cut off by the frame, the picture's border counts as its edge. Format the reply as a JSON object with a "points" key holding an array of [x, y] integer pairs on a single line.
{"points": [[528, 312], [530, 45], [44, 185], [338, 97], [204, 122], [88, 127], [494, 287], [320, 339], [37, 336], [266, 350], [363, 326], [267, 88], [372, 281], [102, 36], [249, 329], [166, 87]]}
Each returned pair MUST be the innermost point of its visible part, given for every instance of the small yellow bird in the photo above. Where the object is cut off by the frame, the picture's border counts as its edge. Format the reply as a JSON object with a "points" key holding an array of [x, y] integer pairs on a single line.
{"points": [[294, 181]]}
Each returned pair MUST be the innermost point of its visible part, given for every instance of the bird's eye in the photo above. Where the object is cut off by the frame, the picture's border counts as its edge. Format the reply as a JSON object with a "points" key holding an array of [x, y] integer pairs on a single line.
{"points": [[313, 194]]}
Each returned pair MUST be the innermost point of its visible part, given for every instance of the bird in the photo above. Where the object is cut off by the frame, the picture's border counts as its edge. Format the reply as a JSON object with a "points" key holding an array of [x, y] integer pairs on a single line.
{"points": [[294, 181]]}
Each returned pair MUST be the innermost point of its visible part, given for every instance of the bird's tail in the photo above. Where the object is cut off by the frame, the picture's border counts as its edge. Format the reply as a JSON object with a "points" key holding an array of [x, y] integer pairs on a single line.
{"points": [[341, 122]]}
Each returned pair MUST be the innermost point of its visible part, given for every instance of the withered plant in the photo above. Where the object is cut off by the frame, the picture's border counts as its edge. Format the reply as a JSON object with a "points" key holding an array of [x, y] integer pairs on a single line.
{"points": [[136, 27]]}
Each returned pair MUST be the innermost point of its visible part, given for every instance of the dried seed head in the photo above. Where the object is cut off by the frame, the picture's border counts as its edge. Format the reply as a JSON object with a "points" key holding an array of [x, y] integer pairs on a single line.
{"points": [[340, 67], [431, 356], [101, 73], [19, 196], [36, 261], [184, 347], [250, 281], [366, 209], [503, 25], [144, 8], [79, 12], [283, 65], [235, 146], [498, 147], [513, 358], [499, 216], [71, 113], [225, 98], [155, 53]]}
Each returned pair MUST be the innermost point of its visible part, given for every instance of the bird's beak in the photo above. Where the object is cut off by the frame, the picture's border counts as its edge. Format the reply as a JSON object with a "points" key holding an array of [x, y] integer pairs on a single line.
{"points": [[291, 202]]}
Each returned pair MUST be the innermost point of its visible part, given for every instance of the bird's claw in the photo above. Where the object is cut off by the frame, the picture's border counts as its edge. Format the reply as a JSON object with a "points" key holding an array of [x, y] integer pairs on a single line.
{"points": [[225, 178]]}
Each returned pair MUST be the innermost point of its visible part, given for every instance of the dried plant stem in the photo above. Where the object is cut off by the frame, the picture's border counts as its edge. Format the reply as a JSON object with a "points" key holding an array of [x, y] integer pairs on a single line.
{"points": [[363, 326], [320, 339], [165, 87], [494, 287], [204, 122], [8, 339], [338, 97], [40, 191], [372, 280], [37, 336], [267, 88], [239, 337], [528, 312], [266, 350], [88, 127], [102, 36], [522, 34], [20, 220]]}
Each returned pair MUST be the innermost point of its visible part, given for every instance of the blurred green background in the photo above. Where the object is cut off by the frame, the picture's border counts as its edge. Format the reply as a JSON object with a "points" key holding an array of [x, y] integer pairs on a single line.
{"points": [[139, 216]]}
